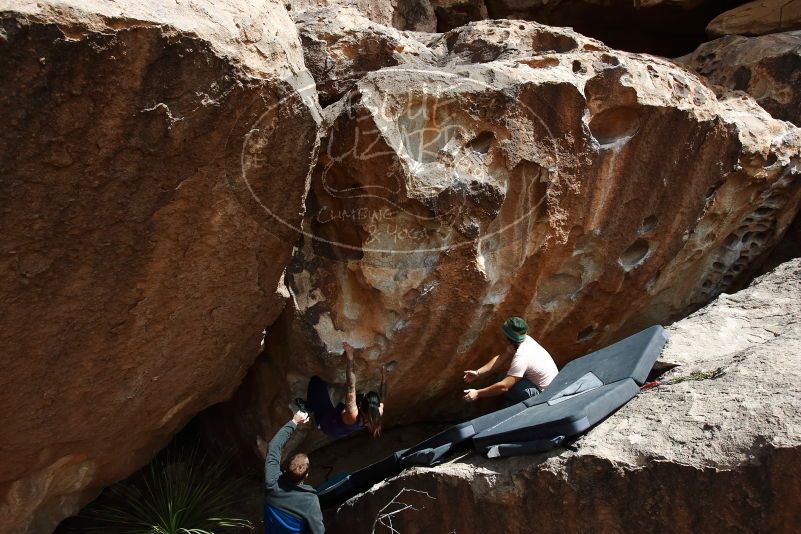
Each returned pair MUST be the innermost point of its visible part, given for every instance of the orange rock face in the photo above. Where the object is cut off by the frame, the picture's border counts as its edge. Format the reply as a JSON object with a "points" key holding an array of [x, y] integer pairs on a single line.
{"points": [[137, 272], [555, 183]]}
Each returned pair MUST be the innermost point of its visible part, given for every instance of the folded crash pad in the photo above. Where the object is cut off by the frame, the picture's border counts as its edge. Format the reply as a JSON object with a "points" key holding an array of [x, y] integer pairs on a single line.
{"points": [[464, 431], [632, 357], [568, 416]]}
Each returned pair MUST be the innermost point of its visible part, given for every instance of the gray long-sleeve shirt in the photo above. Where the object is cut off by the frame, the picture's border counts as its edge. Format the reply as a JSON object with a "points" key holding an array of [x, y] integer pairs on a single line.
{"points": [[280, 493]]}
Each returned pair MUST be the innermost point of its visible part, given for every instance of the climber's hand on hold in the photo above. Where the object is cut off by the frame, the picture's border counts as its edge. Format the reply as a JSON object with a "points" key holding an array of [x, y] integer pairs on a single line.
{"points": [[300, 417], [471, 376]]}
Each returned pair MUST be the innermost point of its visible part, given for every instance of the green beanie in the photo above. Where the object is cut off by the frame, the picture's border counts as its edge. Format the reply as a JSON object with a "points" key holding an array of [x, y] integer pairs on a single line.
{"points": [[515, 328]]}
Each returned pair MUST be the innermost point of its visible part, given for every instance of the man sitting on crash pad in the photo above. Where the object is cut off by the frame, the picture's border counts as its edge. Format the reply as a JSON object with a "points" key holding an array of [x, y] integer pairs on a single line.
{"points": [[531, 368], [289, 504]]}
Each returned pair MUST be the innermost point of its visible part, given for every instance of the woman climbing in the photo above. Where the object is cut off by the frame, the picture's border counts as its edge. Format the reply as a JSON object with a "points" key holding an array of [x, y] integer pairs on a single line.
{"points": [[357, 412]]}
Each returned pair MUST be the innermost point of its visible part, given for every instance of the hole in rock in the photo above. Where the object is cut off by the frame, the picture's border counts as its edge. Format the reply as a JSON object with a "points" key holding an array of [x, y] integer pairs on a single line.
{"points": [[540, 63], [481, 143], [548, 41], [615, 124], [755, 237], [730, 241], [648, 224], [610, 60], [764, 210], [635, 254], [585, 334]]}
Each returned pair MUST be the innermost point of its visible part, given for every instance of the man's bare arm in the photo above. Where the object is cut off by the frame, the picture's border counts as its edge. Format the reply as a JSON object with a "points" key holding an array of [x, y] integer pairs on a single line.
{"points": [[498, 388], [488, 368], [500, 361]]}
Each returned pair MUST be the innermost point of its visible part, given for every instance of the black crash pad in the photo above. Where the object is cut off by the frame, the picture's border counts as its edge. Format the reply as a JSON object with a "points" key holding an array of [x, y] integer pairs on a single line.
{"points": [[568, 418], [464, 431], [632, 357], [341, 488]]}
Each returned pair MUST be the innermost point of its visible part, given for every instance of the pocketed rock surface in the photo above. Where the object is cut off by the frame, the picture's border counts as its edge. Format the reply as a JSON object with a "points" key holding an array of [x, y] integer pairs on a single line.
{"points": [[711, 455], [552, 183], [340, 45], [136, 270], [767, 67]]}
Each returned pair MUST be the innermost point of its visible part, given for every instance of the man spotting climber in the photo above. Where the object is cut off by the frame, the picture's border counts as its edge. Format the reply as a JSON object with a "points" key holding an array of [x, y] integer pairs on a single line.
{"points": [[357, 412], [289, 504], [531, 368]]}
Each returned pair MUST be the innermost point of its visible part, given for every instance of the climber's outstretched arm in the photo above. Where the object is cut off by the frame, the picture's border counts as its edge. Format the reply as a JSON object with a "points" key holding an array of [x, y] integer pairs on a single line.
{"points": [[351, 413]]}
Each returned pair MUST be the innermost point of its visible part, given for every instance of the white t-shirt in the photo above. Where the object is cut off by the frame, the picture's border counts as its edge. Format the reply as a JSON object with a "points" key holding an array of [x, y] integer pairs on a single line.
{"points": [[533, 362]]}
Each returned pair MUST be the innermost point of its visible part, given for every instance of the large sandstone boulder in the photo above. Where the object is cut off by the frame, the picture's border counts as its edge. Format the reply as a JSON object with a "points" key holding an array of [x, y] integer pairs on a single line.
{"points": [[137, 264], [592, 192], [716, 453], [766, 67], [759, 17]]}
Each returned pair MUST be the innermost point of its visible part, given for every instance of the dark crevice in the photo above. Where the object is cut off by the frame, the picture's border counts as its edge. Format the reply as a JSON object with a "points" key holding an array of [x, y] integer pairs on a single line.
{"points": [[664, 30]]}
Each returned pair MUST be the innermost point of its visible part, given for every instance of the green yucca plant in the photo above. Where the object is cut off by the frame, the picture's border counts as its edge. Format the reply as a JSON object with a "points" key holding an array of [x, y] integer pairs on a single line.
{"points": [[178, 493]]}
